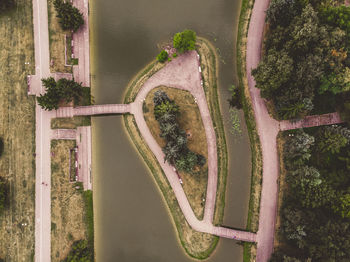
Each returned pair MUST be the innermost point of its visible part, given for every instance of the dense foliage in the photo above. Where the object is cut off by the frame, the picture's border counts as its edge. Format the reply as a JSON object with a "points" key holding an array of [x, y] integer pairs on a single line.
{"points": [[176, 151], [305, 67], [69, 16], [4, 194], [162, 56], [185, 41], [6, 5], [80, 252], [63, 90], [315, 213]]}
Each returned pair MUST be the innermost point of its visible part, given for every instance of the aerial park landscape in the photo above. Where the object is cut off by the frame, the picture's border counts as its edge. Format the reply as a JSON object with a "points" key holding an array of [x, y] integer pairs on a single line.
{"points": [[225, 146]]}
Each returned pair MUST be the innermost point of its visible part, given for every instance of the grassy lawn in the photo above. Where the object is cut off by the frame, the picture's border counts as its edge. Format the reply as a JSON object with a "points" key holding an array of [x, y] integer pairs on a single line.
{"points": [[249, 251], [17, 127], [70, 123], [190, 120], [57, 42], [196, 244], [70, 207]]}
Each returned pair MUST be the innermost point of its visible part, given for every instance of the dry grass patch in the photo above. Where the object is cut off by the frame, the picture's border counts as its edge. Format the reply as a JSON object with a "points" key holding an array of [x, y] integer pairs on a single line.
{"points": [[57, 42], [68, 222], [70, 123], [17, 127], [190, 120]]}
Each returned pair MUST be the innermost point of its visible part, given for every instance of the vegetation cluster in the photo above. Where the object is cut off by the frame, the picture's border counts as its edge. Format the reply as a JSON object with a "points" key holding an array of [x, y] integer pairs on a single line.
{"points": [[315, 210], [176, 150], [80, 252], [5, 5], [63, 90], [185, 41], [4, 194], [69, 16], [306, 64]]}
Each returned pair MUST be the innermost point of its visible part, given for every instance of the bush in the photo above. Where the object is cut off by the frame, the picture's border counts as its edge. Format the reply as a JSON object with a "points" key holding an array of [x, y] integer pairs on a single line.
{"points": [[184, 41], [69, 16], [162, 56], [80, 252], [6, 5], [4, 194]]}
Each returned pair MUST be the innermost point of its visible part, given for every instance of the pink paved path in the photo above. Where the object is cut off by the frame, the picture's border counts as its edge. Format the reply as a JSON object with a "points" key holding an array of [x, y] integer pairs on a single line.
{"points": [[183, 73], [268, 129]]}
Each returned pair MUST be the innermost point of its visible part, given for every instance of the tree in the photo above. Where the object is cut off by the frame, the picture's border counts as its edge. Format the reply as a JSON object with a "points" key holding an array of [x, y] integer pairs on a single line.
{"points": [[62, 90], [274, 71], [342, 205], [281, 12], [168, 107], [6, 5], [69, 16], [297, 148], [162, 56], [331, 140], [184, 41]]}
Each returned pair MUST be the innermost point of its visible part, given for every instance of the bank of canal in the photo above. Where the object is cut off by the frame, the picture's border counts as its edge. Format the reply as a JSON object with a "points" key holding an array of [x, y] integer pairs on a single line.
{"points": [[132, 223]]}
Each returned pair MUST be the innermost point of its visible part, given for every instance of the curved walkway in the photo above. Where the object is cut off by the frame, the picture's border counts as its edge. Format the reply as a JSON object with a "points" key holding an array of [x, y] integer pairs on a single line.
{"points": [[268, 129], [183, 73]]}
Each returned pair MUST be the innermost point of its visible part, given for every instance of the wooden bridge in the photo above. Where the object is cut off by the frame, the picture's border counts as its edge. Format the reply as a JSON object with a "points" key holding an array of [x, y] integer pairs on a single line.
{"points": [[310, 121], [108, 109]]}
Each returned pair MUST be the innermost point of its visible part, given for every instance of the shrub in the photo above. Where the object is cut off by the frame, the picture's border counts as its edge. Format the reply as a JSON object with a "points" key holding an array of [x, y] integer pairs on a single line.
{"points": [[162, 56]]}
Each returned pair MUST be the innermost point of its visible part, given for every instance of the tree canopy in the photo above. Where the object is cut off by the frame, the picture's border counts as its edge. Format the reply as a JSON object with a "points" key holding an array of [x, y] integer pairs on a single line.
{"points": [[305, 57], [69, 16], [62, 90], [185, 41], [176, 151], [315, 216]]}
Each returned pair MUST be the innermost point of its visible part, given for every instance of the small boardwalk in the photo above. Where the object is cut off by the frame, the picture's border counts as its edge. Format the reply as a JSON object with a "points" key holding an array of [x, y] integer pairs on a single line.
{"points": [[234, 234], [67, 134], [107, 109], [310, 121]]}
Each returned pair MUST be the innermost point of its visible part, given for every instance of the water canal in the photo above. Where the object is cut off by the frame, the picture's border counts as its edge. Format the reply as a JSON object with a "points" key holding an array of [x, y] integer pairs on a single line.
{"points": [[131, 220]]}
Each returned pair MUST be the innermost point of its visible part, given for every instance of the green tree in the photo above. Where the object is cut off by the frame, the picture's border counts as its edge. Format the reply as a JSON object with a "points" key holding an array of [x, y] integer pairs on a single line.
{"points": [[342, 205], [297, 148], [169, 107], [185, 41], [162, 56], [330, 140], [274, 71], [69, 16], [62, 90]]}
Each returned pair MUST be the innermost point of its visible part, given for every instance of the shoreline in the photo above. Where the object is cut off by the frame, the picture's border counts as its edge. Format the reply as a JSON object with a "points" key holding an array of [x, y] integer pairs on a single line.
{"points": [[162, 184], [249, 250]]}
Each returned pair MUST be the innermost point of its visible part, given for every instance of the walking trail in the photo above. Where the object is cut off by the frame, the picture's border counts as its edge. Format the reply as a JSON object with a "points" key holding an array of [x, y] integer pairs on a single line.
{"points": [[268, 129]]}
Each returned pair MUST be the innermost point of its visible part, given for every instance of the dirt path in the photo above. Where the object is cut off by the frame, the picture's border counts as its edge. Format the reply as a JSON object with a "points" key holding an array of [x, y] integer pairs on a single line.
{"points": [[268, 129]]}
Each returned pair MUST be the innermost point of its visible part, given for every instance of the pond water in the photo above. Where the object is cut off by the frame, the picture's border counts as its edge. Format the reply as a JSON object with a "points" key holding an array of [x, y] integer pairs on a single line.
{"points": [[131, 219]]}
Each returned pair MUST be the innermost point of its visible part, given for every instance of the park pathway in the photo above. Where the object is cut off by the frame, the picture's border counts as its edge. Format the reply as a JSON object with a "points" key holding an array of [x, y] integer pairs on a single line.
{"points": [[268, 129]]}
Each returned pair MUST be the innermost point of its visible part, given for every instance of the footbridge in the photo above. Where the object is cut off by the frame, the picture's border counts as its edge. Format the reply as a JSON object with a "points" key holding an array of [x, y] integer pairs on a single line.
{"points": [[108, 109]]}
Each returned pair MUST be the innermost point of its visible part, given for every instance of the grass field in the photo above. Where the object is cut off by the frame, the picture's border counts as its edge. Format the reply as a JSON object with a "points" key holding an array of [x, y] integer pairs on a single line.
{"points": [[196, 244], [70, 123], [190, 120], [57, 42], [17, 127], [68, 203]]}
